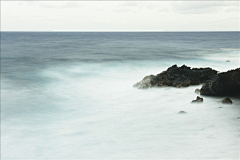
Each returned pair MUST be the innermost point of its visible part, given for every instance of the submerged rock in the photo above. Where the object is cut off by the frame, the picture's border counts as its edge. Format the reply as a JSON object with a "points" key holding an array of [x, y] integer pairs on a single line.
{"points": [[177, 77], [182, 112], [227, 60], [226, 83], [198, 99], [197, 91], [227, 101]]}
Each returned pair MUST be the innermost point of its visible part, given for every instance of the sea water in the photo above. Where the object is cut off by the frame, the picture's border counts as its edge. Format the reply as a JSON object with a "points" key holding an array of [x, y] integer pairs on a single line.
{"points": [[70, 96]]}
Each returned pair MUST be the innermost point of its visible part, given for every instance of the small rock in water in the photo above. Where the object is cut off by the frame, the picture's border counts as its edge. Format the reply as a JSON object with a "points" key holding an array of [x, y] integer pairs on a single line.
{"points": [[238, 118], [182, 112], [227, 101], [198, 99], [228, 61], [197, 91]]}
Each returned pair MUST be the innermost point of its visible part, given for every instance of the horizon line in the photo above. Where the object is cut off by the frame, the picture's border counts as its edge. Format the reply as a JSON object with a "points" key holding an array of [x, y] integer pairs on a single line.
{"points": [[116, 31]]}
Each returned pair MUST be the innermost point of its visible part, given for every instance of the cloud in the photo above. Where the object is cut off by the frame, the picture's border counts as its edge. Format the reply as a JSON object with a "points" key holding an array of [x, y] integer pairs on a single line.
{"points": [[61, 5], [130, 4], [232, 9], [56, 4], [52, 4], [123, 10], [195, 7], [104, 15], [127, 7], [160, 7], [47, 5], [141, 6]]}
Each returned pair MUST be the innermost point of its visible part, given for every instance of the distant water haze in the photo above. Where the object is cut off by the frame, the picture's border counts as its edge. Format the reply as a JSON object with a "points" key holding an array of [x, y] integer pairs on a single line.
{"points": [[70, 95]]}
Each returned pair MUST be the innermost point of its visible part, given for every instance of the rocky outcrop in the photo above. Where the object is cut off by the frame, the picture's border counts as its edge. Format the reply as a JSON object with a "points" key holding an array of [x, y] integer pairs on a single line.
{"points": [[177, 77], [147, 82], [227, 101], [226, 83], [198, 99]]}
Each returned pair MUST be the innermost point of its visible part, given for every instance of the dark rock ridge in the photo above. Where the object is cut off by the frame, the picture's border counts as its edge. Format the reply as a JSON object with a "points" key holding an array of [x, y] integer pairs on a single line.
{"points": [[176, 76], [227, 101], [198, 99], [226, 83]]}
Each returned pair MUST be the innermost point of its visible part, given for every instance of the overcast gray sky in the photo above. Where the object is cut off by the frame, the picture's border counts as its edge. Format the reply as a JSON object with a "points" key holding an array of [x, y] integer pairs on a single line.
{"points": [[120, 16]]}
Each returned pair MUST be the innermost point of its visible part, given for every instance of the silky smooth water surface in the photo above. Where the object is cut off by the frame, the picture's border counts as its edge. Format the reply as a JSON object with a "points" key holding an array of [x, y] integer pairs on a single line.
{"points": [[71, 96]]}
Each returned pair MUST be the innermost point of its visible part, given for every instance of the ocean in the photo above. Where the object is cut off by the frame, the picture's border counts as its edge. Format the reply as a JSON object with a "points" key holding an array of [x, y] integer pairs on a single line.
{"points": [[70, 95]]}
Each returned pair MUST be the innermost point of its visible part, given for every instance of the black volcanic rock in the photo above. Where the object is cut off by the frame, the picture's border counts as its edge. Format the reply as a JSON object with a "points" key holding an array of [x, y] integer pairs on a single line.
{"points": [[177, 77], [226, 83], [198, 99], [227, 101]]}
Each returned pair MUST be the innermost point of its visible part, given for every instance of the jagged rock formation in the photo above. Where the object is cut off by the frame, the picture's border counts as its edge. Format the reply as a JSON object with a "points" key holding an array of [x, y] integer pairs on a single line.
{"points": [[198, 99], [177, 77], [226, 83], [227, 101]]}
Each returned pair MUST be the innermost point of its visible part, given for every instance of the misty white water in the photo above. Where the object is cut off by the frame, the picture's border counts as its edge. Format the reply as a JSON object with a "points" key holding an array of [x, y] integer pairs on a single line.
{"points": [[90, 110], [103, 116]]}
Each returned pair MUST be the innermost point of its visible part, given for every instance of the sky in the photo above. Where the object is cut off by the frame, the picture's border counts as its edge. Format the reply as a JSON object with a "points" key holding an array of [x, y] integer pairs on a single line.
{"points": [[120, 16]]}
